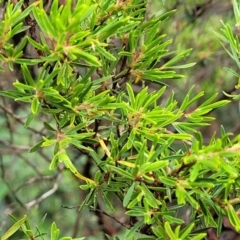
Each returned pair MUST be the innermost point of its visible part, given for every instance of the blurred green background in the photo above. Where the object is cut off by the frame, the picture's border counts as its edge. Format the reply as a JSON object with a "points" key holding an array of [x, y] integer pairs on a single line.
{"points": [[25, 178]]}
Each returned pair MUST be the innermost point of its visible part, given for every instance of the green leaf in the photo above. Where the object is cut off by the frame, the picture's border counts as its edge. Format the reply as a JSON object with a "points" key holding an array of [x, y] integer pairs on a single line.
{"points": [[159, 231], [186, 231], [166, 15], [28, 61], [88, 58], [20, 47], [181, 66], [110, 29], [85, 186], [76, 128], [54, 232], [151, 200], [171, 219], [18, 29], [87, 200], [36, 44], [128, 195], [98, 176], [121, 172], [168, 181], [106, 201], [43, 22], [29, 120], [177, 58], [129, 26], [48, 127], [141, 153], [95, 156], [14, 228], [134, 229], [83, 11], [54, 163], [105, 53], [136, 213], [67, 238], [169, 231], [23, 14], [36, 147], [148, 167], [130, 139], [233, 218], [232, 72], [199, 236], [135, 201], [22, 86], [35, 106]]}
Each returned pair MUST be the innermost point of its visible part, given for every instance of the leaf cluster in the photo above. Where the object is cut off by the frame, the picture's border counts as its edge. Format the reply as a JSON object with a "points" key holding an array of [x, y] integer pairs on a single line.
{"points": [[146, 146]]}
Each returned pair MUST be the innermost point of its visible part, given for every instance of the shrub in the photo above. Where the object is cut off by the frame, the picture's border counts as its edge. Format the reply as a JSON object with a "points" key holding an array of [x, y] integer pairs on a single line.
{"points": [[144, 148]]}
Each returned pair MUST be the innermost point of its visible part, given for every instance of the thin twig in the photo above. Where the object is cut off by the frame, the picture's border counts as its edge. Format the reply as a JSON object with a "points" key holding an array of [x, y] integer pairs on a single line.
{"points": [[106, 214], [18, 119], [14, 147], [46, 194], [34, 180], [30, 164], [100, 211]]}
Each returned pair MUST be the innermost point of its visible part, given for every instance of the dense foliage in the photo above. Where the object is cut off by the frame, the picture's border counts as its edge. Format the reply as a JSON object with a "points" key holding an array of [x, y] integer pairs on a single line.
{"points": [[85, 82]]}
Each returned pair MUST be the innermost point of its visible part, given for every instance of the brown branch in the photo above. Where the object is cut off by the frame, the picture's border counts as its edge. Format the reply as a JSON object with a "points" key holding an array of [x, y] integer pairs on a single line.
{"points": [[19, 119], [102, 212], [46, 194], [14, 147], [34, 180], [30, 164], [7, 117], [12, 192], [183, 166]]}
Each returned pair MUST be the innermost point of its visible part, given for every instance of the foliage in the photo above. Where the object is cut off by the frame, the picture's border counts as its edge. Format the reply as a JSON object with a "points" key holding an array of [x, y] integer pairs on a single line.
{"points": [[24, 225], [145, 148], [192, 26]]}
